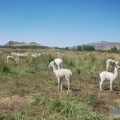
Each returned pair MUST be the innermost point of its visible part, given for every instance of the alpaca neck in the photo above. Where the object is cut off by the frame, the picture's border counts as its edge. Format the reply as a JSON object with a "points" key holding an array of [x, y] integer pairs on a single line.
{"points": [[115, 73], [54, 68]]}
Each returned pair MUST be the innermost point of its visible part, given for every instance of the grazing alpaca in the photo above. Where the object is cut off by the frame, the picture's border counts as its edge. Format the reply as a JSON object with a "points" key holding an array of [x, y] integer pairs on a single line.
{"points": [[14, 54], [12, 58], [60, 74], [22, 55], [35, 55], [105, 75]]}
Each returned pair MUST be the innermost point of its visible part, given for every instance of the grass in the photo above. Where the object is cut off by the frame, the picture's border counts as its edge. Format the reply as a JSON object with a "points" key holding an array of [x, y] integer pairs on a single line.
{"points": [[28, 90], [53, 108]]}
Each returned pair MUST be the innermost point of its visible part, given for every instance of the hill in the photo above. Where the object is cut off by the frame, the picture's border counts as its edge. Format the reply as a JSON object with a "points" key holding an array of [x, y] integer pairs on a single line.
{"points": [[104, 45], [100, 45], [15, 43]]}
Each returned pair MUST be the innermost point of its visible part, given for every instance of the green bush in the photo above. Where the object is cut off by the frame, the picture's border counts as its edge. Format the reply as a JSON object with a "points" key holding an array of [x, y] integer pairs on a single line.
{"points": [[4, 67]]}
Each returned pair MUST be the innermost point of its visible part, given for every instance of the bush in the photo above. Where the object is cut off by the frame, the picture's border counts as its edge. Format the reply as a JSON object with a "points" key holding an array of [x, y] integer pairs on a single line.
{"points": [[4, 67]]}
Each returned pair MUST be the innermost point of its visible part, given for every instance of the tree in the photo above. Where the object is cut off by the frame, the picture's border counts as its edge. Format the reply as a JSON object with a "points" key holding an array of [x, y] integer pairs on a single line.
{"points": [[79, 48], [66, 48], [114, 49], [88, 47]]}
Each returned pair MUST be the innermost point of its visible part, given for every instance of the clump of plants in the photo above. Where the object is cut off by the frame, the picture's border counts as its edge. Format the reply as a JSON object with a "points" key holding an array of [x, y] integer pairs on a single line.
{"points": [[51, 108], [4, 67]]}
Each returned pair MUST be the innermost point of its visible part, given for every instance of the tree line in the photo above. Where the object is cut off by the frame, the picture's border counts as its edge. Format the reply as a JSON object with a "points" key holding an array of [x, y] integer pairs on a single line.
{"points": [[85, 48], [92, 48], [77, 48]]}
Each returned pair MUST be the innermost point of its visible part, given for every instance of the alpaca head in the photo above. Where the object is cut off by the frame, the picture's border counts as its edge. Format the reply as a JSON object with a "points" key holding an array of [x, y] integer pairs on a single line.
{"points": [[52, 64], [118, 67], [116, 63]]}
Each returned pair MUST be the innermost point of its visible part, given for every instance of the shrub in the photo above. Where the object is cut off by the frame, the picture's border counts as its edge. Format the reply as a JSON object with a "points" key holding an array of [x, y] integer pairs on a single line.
{"points": [[4, 67]]}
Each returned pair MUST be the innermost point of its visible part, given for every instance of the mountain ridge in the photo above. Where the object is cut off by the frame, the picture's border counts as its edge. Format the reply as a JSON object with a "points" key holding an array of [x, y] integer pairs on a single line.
{"points": [[15, 43], [100, 45], [104, 45]]}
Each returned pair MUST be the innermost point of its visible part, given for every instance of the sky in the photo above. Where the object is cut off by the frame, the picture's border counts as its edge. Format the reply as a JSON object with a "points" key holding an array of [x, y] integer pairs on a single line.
{"points": [[61, 23]]}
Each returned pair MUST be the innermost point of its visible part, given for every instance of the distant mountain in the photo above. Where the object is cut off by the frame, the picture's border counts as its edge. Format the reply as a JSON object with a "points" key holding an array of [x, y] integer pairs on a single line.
{"points": [[100, 45], [14, 43], [104, 45], [34, 43]]}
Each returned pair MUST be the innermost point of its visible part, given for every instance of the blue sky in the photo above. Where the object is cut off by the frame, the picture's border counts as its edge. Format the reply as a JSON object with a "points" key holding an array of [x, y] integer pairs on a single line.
{"points": [[59, 22]]}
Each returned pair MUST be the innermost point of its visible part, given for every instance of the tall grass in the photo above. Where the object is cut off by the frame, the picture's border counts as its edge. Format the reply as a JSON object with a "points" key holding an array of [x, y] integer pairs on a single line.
{"points": [[4, 68], [51, 108]]}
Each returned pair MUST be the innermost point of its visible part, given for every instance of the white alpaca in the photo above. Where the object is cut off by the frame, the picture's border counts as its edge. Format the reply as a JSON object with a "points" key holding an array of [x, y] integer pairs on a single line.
{"points": [[105, 75], [59, 63], [110, 62], [60, 74], [14, 54], [12, 58], [35, 55], [22, 55]]}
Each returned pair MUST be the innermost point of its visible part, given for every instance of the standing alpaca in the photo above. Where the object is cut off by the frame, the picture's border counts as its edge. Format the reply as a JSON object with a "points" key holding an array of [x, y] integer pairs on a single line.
{"points": [[59, 63], [60, 74], [110, 62], [105, 75]]}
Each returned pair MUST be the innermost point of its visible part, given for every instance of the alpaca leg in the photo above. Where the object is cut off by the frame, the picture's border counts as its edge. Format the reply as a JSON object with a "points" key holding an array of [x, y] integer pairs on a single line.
{"points": [[111, 85], [7, 60], [101, 82], [69, 83], [59, 83]]}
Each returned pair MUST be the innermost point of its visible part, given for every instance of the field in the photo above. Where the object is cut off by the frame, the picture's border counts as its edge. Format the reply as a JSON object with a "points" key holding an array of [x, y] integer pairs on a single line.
{"points": [[28, 89]]}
